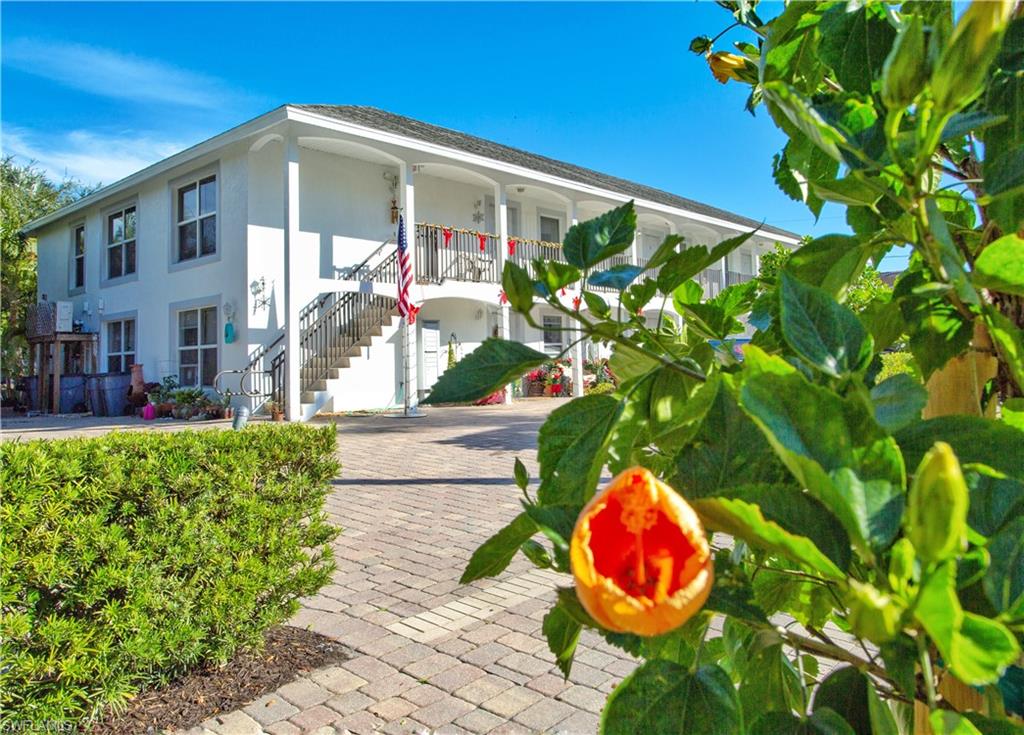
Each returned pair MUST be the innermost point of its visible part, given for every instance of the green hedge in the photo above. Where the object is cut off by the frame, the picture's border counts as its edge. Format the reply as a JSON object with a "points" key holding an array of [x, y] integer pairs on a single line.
{"points": [[131, 558]]}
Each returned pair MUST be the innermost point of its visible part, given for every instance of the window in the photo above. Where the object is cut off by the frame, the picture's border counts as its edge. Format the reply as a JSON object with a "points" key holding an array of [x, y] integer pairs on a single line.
{"points": [[197, 346], [120, 345], [78, 258], [550, 229], [121, 243], [552, 335], [196, 216], [747, 264]]}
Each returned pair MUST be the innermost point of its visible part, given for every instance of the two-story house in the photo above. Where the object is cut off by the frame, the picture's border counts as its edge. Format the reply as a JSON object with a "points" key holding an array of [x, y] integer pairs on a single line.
{"points": [[269, 250]]}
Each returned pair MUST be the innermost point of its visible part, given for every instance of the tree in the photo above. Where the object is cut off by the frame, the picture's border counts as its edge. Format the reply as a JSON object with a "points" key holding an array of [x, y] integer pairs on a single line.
{"points": [[863, 291], [25, 194], [867, 505]]}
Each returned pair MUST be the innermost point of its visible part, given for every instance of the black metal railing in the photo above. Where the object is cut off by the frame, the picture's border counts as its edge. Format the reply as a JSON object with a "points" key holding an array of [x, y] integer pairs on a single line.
{"points": [[528, 250], [324, 342], [465, 255]]}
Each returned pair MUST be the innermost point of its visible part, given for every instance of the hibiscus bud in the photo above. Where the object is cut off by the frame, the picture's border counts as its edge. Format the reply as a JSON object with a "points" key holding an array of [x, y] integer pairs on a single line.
{"points": [[640, 557], [936, 519], [726, 66], [906, 67], [700, 45], [965, 60], [873, 614]]}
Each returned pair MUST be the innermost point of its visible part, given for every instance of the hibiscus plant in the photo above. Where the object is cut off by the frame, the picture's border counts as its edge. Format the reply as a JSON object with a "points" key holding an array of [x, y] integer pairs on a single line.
{"points": [[789, 544]]}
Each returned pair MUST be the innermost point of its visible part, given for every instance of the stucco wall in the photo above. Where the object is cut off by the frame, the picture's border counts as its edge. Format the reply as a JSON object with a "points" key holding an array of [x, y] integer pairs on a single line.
{"points": [[158, 284]]}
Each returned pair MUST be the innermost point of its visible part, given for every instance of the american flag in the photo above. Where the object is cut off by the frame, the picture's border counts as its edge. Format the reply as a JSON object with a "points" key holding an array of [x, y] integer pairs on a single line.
{"points": [[405, 305]]}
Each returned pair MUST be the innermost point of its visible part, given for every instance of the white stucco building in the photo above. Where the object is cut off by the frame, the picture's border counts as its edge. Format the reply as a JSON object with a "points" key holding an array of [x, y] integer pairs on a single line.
{"points": [[285, 227]]}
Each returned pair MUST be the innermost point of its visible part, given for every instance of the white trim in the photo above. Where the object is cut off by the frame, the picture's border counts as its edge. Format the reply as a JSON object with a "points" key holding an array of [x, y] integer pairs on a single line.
{"points": [[210, 145], [73, 228], [286, 112], [399, 140]]}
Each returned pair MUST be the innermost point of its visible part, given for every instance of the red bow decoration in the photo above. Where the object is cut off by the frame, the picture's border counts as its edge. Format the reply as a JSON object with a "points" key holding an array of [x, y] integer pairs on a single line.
{"points": [[563, 290], [413, 311], [446, 231], [576, 302], [502, 297], [483, 241], [511, 247]]}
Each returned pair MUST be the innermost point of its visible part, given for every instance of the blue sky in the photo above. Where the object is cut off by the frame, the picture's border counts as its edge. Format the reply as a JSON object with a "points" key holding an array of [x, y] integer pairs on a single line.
{"points": [[100, 90]]}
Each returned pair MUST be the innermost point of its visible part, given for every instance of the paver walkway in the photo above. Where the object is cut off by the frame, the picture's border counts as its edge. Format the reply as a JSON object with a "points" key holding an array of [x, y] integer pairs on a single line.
{"points": [[415, 498]]}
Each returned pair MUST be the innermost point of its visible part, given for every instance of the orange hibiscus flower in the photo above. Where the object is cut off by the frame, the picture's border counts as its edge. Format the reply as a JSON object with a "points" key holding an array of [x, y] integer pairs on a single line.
{"points": [[640, 557], [726, 66]]}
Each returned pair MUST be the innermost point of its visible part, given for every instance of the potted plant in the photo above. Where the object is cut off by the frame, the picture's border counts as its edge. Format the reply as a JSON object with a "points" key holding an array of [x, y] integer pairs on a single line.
{"points": [[225, 404], [275, 410]]}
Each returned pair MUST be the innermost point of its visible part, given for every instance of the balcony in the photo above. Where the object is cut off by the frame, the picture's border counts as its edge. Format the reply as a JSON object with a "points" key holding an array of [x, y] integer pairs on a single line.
{"points": [[733, 278], [455, 254]]}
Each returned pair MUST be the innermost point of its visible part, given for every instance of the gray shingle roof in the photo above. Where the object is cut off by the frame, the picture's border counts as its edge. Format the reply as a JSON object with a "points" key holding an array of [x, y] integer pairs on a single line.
{"points": [[372, 117]]}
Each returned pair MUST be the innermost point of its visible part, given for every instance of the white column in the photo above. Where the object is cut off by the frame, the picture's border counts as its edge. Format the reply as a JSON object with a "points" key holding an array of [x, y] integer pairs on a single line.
{"points": [[636, 246], [576, 334], [410, 343], [501, 216], [293, 360]]}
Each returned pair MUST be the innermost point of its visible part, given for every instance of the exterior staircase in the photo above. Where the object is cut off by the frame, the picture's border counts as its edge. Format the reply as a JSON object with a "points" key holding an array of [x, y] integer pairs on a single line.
{"points": [[333, 329]]}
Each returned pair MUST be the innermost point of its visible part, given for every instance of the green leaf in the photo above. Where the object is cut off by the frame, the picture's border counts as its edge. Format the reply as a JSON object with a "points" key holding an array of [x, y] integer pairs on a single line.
{"points": [[664, 698], [685, 265], [521, 475], [898, 401], [497, 552], [845, 691], [1008, 340], [484, 370], [832, 446], [518, 287], [665, 251], [555, 274], [597, 305], [637, 296], [900, 658], [677, 406], [588, 243], [822, 722], [563, 633], [974, 648], [1000, 267], [616, 277], [949, 254], [944, 722], [745, 520], [1013, 412], [974, 440], [769, 682], [571, 448], [855, 44], [1004, 579], [536, 553], [569, 603], [995, 499], [728, 450], [832, 262], [850, 191], [1004, 143], [798, 110], [827, 335]]}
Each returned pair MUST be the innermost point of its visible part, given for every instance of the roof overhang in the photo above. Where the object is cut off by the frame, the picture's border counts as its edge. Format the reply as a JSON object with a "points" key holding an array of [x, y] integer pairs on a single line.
{"points": [[286, 113]]}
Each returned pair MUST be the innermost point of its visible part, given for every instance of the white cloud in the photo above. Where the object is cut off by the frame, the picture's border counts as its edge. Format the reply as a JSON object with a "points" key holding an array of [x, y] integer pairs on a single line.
{"points": [[108, 73], [88, 156]]}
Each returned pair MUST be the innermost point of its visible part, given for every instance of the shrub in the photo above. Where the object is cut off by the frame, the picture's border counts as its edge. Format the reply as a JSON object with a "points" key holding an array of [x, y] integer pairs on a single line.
{"points": [[598, 389], [131, 558], [894, 363]]}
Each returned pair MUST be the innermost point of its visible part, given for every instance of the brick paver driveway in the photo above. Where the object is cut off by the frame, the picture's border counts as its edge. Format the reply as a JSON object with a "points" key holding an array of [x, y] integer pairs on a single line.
{"points": [[415, 498]]}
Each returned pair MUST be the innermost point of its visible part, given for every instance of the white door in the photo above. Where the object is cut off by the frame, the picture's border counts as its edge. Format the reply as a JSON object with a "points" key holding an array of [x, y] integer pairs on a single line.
{"points": [[431, 336]]}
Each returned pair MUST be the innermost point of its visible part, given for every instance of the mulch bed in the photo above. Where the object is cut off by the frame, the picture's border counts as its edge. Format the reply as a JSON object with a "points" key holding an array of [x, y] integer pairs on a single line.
{"points": [[204, 693]]}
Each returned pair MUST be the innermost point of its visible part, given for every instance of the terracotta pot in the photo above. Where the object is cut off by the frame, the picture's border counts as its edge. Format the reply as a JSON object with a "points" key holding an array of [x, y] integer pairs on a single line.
{"points": [[138, 384]]}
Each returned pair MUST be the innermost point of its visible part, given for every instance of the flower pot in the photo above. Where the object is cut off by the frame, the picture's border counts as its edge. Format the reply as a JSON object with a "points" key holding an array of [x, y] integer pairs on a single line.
{"points": [[535, 390], [277, 415]]}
